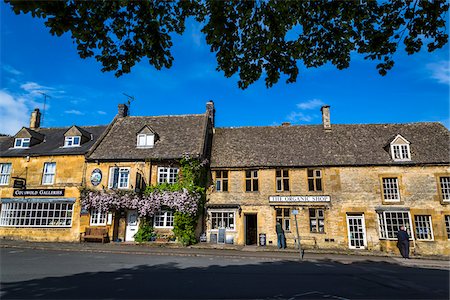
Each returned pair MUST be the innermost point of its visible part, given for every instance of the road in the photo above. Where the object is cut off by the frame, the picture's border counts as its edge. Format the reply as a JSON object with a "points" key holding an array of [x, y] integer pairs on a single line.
{"points": [[50, 274]]}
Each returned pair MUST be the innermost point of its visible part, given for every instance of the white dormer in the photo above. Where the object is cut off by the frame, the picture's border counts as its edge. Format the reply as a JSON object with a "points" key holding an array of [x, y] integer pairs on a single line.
{"points": [[22, 143], [400, 149], [72, 141], [146, 138]]}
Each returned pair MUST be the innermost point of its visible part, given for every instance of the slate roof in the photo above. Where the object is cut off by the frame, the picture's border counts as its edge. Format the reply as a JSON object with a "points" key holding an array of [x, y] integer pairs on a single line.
{"points": [[52, 145], [344, 145], [177, 135]]}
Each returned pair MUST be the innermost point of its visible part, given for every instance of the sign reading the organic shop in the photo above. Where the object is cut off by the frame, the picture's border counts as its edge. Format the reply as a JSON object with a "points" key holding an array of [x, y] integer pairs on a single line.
{"points": [[96, 177], [39, 192], [299, 199]]}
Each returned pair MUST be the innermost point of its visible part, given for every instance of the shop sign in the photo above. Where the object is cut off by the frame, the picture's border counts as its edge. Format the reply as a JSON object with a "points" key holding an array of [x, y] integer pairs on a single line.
{"points": [[38, 192], [299, 199], [96, 177]]}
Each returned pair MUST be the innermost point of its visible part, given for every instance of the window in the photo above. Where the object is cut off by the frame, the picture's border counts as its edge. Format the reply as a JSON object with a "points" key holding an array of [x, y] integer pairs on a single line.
{"points": [[222, 219], [316, 220], [36, 214], [251, 181], [390, 189], [282, 180], [72, 141], [98, 217], [447, 225], [169, 175], [284, 218], [49, 173], [119, 178], [400, 152], [163, 219], [444, 183], [314, 180], [22, 143], [222, 181], [391, 221], [424, 230], [145, 140], [5, 173]]}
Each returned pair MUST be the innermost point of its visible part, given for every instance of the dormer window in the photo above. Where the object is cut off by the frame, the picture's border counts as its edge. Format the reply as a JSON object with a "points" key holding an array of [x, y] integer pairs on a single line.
{"points": [[22, 143], [400, 150], [72, 141], [145, 140]]}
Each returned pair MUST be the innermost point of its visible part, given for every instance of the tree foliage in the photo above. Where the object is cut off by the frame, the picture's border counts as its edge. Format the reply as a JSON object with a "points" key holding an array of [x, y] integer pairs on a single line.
{"points": [[250, 38]]}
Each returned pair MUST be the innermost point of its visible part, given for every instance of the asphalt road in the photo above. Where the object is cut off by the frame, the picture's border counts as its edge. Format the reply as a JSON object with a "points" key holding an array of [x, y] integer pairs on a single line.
{"points": [[48, 274]]}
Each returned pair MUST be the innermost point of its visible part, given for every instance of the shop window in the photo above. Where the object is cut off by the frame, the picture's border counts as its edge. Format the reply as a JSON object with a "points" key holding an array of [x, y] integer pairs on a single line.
{"points": [[284, 218], [444, 183], [390, 189], [22, 143], [119, 178], [49, 173], [282, 180], [72, 141], [424, 230], [36, 214], [5, 173], [251, 181], [391, 221], [314, 180], [316, 220], [447, 225], [222, 181], [167, 175], [163, 219], [222, 219], [98, 217]]}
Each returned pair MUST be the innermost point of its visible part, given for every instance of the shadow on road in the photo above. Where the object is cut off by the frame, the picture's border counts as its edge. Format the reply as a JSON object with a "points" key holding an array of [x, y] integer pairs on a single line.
{"points": [[268, 280]]}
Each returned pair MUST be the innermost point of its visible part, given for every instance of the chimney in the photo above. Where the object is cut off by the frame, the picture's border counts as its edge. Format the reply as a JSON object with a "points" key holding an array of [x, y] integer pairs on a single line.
{"points": [[35, 119], [123, 110], [211, 111], [326, 117], [285, 124]]}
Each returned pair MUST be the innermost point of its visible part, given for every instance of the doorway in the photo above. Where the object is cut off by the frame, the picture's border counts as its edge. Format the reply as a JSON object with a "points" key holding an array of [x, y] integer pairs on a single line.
{"points": [[131, 225], [251, 226], [356, 231]]}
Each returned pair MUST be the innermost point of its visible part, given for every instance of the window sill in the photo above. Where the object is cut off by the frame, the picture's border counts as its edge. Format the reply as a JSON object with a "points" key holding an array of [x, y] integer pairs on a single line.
{"points": [[227, 230], [315, 232]]}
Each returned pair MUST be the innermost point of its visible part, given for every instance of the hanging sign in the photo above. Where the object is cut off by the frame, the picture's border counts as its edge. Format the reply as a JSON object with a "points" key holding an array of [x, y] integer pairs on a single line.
{"points": [[96, 177]]}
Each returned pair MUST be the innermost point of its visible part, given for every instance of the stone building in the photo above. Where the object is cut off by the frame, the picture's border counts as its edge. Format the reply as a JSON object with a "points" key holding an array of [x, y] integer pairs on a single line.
{"points": [[334, 186], [138, 151], [41, 173]]}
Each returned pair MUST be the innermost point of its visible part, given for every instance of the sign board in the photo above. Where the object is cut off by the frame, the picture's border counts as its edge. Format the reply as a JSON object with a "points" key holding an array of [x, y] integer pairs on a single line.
{"points": [[19, 183], [38, 192], [262, 239], [203, 237], [295, 212], [96, 177], [276, 199], [213, 238], [221, 236]]}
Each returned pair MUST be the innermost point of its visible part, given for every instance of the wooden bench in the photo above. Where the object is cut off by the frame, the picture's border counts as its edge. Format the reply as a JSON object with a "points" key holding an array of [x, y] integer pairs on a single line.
{"points": [[96, 234]]}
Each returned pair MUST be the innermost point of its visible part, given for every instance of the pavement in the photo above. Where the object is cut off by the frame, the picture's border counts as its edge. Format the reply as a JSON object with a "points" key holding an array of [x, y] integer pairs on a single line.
{"points": [[217, 250]]}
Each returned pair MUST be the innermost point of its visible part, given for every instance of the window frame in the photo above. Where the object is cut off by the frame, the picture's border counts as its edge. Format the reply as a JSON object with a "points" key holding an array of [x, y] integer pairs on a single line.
{"points": [[168, 218], [285, 219], [222, 218], [121, 170], [383, 226], [22, 141], [402, 155], [148, 143], [253, 179], [222, 180], [167, 171], [98, 218], [69, 141], [5, 176], [444, 191], [385, 188], [447, 225], [317, 218], [282, 179], [427, 224], [315, 179], [46, 174]]}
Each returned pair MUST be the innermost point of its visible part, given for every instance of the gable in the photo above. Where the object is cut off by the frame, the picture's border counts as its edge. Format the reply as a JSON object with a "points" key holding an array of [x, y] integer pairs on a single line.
{"points": [[399, 140]]}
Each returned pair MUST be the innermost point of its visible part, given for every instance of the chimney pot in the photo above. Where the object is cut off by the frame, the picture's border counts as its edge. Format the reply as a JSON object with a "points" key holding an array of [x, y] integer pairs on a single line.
{"points": [[123, 110], [35, 119], [211, 111], [326, 117]]}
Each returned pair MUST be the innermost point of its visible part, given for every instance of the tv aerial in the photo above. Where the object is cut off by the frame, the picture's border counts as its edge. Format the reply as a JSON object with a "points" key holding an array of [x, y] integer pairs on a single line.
{"points": [[130, 100], [43, 110]]}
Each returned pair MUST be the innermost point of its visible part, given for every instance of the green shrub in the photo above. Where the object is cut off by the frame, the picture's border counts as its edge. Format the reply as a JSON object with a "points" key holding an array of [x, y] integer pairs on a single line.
{"points": [[145, 232], [184, 228]]}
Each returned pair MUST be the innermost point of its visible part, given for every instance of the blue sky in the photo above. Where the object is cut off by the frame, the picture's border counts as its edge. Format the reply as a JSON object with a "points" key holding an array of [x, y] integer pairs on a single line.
{"points": [[33, 61]]}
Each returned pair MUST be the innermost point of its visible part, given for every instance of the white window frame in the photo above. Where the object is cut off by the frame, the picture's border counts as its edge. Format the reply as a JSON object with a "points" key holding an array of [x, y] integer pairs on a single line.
{"points": [[120, 175], [36, 214], [167, 217], [22, 141], [5, 173], [447, 225], [392, 234], [390, 189], [145, 140], [98, 218], [70, 141], [49, 173], [444, 186], [220, 219], [400, 151], [424, 223], [168, 175]]}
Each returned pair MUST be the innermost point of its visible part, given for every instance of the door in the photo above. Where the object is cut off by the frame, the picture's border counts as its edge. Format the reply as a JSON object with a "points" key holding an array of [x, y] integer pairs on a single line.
{"points": [[251, 229], [356, 231], [131, 225]]}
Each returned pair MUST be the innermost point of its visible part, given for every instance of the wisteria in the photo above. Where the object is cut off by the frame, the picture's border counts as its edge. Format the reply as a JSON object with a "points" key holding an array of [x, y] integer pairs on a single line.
{"points": [[147, 205]]}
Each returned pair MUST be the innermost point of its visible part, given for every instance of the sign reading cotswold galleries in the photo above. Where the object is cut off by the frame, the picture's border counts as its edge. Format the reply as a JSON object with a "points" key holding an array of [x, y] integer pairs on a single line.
{"points": [[39, 192], [299, 199]]}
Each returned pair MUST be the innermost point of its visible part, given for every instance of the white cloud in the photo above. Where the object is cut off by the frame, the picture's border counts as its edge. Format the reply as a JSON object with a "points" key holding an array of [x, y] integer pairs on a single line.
{"points": [[311, 104], [296, 117], [440, 71], [74, 112], [14, 113], [11, 70], [101, 112]]}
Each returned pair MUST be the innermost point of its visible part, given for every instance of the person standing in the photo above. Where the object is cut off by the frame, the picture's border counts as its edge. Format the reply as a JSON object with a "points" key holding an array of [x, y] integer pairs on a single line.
{"points": [[280, 236], [403, 242]]}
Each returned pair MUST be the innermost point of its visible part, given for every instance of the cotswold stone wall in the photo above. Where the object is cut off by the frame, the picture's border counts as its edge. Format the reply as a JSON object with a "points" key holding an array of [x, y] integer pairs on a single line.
{"points": [[353, 190]]}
